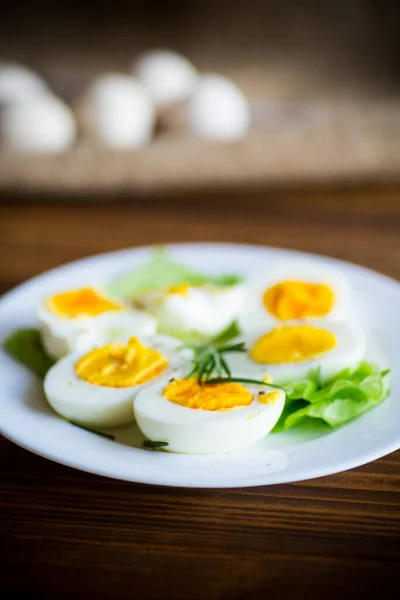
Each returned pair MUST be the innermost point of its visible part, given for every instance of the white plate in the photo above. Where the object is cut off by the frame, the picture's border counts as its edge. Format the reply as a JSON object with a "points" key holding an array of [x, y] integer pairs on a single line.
{"points": [[26, 419]]}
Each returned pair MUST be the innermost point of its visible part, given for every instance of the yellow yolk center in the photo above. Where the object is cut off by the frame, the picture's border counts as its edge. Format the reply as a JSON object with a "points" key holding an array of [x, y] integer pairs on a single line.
{"points": [[298, 300], [212, 396], [292, 344], [269, 398], [85, 302], [121, 365], [181, 289]]}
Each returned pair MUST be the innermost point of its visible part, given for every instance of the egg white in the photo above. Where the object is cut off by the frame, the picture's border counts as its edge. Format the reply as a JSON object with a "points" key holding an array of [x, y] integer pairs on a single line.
{"points": [[121, 111], [203, 311], [100, 406], [169, 77], [256, 316], [61, 335], [19, 84], [41, 124], [218, 110], [194, 431], [348, 352]]}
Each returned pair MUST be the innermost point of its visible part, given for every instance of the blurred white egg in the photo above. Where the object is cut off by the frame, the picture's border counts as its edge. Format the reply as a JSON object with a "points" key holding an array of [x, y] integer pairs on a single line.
{"points": [[43, 124], [18, 84], [168, 76], [122, 111], [218, 110]]}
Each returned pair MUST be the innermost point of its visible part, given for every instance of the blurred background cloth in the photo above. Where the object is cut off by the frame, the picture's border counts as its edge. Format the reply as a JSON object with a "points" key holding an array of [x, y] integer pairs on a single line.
{"points": [[323, 79]]}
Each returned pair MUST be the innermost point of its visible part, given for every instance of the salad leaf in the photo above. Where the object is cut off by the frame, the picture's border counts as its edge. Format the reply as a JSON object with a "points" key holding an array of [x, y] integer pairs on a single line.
{"points": [[301, 389], [357, 375], [195, 338], [289, 409], [25, 346], [162, 271], [342, 398], [225, 280]]}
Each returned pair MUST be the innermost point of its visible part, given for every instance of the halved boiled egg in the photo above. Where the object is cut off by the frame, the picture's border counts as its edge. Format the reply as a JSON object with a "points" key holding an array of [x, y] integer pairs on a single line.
{"points": [[208, 418], [194, 311], [293, 290], [80, 319], [289, 352], [97, 389]]}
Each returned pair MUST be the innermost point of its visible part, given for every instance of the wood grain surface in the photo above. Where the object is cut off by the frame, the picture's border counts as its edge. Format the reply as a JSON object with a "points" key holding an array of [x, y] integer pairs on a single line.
{"points": [[70, 534]]}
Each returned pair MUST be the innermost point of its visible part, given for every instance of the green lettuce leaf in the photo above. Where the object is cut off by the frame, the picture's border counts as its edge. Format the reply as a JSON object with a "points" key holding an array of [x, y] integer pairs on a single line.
{"points": [[291, 407], [356, 375], [192, 337], [225, 280], [162, 271], [25, 346], [301, 389], [347, 395]]}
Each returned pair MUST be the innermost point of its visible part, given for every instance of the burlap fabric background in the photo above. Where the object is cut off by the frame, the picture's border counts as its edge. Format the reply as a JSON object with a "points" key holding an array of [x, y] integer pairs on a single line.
{"points": [[331, 67], [323, 145]]}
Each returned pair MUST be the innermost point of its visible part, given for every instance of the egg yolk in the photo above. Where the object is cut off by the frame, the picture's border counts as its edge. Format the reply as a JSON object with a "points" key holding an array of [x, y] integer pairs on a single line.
{"points": [[85, 302], [292, 344], [181, 290], [210, 396], [270, 398], [121, 365], [298, 300]]}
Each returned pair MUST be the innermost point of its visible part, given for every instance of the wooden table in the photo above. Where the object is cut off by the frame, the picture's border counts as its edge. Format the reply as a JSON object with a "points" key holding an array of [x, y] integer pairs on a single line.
{"points": [[67, 533]]}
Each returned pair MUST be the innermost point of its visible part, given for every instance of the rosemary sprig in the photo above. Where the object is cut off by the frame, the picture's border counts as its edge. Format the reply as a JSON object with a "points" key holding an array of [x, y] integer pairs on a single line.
{"points": [[226, 367], [154, 445], [109, 436], [230, 379], [209, 360], [240, 347], [217, 361]]}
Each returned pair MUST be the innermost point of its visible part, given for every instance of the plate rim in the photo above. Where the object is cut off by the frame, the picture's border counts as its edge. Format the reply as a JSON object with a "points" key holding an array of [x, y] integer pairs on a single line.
{"points": [[313, 474], [274, 478], [176, 245]]}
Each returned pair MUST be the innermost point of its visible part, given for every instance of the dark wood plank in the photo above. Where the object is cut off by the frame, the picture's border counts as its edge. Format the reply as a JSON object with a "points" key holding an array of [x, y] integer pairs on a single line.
{"points": [[70, 533]]}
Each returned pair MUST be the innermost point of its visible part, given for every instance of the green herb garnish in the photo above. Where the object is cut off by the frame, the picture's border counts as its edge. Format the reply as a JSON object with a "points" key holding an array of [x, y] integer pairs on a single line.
{"points": [[25, 345], [109, 436], [227, 335], [209, 360], [244, 380], [154, 445]]}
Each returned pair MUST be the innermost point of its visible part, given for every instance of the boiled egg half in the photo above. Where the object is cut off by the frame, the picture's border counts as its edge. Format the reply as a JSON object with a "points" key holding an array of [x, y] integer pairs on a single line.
{"points": [[289, 351], [79, 319], [97, 389], [207, 419], [293, 290], [189, 311]]}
